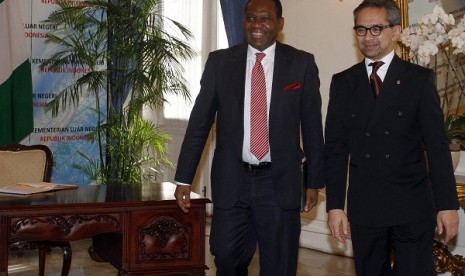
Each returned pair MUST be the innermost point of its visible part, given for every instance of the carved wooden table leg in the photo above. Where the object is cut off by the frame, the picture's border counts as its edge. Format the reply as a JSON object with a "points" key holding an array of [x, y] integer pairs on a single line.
{"points": [[67, 257], [95, 256]]}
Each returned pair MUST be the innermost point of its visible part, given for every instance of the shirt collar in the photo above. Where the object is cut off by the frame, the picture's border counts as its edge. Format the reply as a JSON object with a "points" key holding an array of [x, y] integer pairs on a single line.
{"points": [[269, 52], [386, 59]]}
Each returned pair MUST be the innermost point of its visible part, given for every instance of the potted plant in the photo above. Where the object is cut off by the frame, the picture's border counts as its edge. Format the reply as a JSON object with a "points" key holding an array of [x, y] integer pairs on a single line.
{"points": [[136, 63], [455, 131]]}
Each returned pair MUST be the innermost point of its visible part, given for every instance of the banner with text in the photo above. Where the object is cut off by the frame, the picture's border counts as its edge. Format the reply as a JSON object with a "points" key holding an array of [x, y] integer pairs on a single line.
{"points": [[65, 134]]}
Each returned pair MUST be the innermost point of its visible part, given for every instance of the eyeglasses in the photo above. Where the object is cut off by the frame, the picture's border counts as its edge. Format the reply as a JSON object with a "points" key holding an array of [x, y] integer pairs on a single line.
{"points": [[374, 30]]}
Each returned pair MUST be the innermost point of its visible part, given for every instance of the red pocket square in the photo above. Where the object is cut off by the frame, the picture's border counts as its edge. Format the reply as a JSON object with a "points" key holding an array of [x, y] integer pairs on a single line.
{"points": [[292, 86]]}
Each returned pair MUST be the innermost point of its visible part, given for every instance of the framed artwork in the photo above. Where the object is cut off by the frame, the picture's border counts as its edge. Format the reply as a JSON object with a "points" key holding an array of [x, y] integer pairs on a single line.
{"points": [[403, 5]]}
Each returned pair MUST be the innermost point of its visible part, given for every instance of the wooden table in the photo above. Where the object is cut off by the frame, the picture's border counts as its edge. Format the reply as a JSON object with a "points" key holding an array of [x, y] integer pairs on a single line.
{"points": [[139, 230], [444, 261]]}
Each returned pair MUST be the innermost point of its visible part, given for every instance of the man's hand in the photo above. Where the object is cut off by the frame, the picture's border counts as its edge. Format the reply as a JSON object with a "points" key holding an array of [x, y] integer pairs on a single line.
{"points": [[183, 197], [338, 224], [311, 199], [448, 224]]}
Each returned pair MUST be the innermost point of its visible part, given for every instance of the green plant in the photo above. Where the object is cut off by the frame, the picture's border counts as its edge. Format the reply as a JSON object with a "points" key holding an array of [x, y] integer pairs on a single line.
{"points": [[131, 57], [455, 129], [132, 148]]}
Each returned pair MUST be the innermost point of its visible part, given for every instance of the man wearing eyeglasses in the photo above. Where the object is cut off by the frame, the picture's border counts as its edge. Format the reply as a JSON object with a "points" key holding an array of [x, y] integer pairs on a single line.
{"points": [[383, 115]]}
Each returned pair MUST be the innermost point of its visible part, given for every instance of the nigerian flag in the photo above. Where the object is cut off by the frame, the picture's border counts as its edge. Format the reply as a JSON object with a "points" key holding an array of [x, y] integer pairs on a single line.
{"points": [[16, 119]]}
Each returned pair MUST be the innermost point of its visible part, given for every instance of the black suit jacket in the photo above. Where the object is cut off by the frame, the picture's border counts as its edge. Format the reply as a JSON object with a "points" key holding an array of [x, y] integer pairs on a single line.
{"points": [[295, 108], [381, 143]]}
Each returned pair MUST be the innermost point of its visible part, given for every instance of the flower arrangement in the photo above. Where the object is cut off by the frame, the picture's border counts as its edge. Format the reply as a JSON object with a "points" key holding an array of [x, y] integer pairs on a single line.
{"points": [[437, 42], [430, 34]]}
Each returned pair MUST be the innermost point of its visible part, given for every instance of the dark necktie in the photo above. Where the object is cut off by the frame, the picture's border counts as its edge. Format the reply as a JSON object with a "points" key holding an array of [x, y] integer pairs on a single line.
{"points": [[375, 80], [258, 110]]}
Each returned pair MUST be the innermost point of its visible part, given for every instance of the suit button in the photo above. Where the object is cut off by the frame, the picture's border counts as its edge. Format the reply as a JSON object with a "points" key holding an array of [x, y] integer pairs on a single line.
{"points": [[367, 156], [367, 134], [400, 113], [387, 156], [353, 115], [387, 132]]}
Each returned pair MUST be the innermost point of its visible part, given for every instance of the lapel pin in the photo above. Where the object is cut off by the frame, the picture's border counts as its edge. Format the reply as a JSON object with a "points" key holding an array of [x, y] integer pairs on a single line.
{"points": [[398, 82]]}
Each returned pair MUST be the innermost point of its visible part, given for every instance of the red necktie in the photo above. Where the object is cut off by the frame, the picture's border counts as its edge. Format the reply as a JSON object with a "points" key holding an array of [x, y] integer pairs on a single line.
{"points": [[258, 111], [375, 80]]}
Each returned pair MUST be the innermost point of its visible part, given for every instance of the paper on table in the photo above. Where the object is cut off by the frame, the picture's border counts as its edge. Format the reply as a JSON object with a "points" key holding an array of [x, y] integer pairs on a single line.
{"points": [[24, 188]]}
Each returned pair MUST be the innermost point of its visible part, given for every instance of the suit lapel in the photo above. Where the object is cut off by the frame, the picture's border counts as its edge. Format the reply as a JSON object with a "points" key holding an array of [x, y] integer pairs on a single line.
{"points": [[362, 92], [237, 70], [391, 88], [231, 80], [280, 65]]}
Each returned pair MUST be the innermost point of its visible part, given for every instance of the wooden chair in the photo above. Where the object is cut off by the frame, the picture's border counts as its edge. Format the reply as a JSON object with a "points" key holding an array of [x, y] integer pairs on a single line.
{"points": [[21, 163]]}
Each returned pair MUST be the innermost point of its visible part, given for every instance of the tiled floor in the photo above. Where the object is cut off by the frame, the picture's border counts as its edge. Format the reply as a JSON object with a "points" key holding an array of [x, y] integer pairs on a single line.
{"points": [[311, 263]]}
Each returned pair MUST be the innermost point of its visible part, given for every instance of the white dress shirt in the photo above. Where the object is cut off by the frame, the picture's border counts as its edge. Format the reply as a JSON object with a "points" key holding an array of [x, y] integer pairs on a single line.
{"points": [[383, 69], [268, 66]]}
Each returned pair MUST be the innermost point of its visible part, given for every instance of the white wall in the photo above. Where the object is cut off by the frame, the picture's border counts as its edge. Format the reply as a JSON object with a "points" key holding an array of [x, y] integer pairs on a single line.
{"points": [[324, 28]]}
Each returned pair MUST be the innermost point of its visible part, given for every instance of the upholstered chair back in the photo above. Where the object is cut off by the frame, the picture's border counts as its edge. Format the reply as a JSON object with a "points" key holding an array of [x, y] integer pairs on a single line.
{"points": [[20, 163]]}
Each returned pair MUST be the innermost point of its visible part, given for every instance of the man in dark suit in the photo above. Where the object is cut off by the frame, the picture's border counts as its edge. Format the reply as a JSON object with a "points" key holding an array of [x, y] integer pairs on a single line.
{"points": [[256, 199], [393, 199]]}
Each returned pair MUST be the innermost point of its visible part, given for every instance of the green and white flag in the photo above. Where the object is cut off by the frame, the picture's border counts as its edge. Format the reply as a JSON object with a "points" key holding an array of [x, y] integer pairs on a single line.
{"points": [[16, 118]]}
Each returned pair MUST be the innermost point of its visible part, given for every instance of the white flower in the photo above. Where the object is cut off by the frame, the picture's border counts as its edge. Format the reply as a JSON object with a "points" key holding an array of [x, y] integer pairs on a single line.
{"points": [[437, 37], [433, 31], [457, 37], [408, 36], [425, 51], [443, 17]]}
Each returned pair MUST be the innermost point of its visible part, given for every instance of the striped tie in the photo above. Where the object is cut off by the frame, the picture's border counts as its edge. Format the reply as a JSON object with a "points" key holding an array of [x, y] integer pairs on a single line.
{"points": [[375, 80], [258, 111]]}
